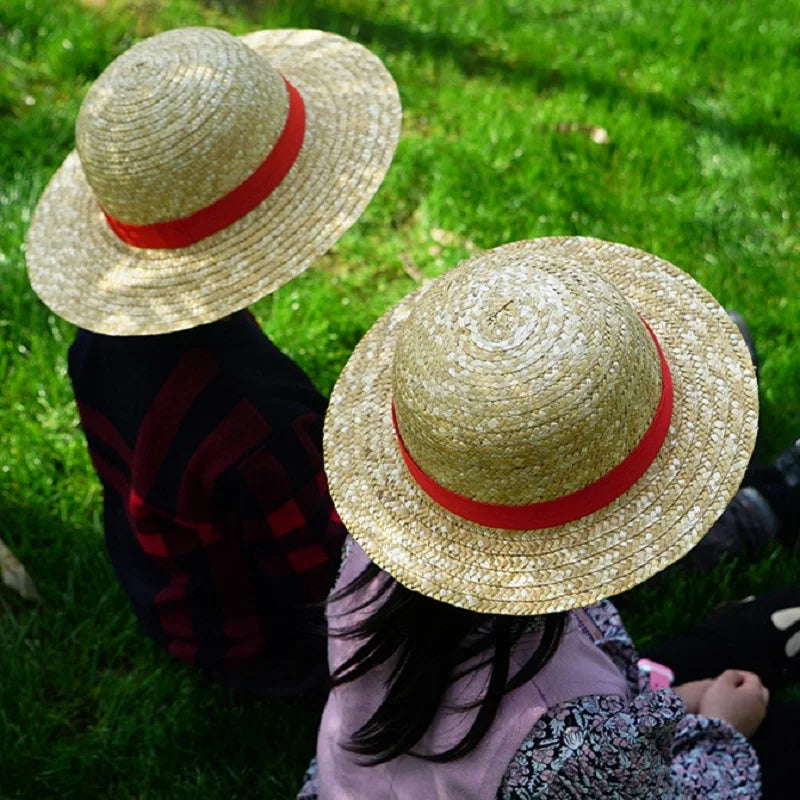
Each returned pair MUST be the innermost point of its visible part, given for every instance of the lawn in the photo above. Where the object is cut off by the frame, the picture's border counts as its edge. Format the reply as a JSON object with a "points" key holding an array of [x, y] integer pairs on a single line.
{"points": [[667, 125]]}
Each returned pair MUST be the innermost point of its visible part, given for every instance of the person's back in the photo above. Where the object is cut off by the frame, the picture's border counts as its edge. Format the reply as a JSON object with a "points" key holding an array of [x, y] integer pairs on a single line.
{"points": [[579, 667], [169, 217], [216, 512], [587, 724]]}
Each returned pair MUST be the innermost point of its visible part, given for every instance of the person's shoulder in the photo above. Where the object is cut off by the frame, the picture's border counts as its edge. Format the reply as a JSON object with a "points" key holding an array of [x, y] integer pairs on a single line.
{"points": [[84, 341], [262, 374]]}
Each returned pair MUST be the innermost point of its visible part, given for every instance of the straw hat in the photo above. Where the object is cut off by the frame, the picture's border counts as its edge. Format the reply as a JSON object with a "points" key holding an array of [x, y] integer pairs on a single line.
{"points": [[208, 171], [557, 449]]}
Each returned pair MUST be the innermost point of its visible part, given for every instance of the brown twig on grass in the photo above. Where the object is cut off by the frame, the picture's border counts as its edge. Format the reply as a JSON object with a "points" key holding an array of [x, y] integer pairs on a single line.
{"points": [[411, 269]]}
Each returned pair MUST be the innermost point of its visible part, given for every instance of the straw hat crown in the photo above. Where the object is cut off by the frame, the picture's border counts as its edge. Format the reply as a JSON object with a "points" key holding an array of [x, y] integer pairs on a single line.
{"points": [[523, 385], [547, 457], [177, 122], [224, 166]]}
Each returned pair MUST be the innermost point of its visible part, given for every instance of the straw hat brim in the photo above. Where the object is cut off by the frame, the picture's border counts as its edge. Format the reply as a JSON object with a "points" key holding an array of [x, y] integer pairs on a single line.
{"points": [[654, 523], [84, 273]]}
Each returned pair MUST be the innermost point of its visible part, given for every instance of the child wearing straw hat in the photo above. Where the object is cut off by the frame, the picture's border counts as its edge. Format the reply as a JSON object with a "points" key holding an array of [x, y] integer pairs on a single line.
{"points": [[209, 170], [544, 426]]}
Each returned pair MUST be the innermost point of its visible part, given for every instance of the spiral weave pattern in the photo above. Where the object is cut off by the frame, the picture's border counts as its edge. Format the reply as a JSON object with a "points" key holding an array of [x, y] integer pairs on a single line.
{"points": [[480, 391], [519, 376], [174, 124]]}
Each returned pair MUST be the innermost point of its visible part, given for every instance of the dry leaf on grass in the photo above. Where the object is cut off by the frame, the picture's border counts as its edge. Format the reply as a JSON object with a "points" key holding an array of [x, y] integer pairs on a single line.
{"points": [[450, 239], [447, 238], [14, 575], [597, 134]]}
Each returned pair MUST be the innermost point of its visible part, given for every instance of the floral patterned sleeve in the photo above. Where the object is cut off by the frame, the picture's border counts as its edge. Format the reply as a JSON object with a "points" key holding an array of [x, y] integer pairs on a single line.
{"points": [[645, 749], [714, 760], [310, 786], [598, 746]]}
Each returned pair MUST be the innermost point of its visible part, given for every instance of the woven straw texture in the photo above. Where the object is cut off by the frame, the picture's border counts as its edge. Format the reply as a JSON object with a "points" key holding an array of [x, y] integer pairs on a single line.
{"points": [[177, 122], [520, 376]]}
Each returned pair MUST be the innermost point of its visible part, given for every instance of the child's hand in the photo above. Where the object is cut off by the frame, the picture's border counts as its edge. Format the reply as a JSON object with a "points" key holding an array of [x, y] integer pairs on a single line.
{"points": [[738, 698], [692, 693]]}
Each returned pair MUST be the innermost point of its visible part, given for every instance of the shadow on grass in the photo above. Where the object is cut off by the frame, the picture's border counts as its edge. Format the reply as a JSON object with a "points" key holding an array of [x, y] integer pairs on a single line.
{"points": [[89, 707], [473, 60], [667, 605]]}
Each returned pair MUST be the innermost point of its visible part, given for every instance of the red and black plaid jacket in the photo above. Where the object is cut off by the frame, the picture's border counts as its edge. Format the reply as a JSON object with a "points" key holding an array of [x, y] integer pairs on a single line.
{"points": [[208, 443]]}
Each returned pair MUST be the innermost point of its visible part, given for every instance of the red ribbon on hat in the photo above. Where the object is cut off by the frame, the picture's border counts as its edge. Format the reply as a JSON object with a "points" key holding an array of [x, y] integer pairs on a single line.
{"points": [[568, 508], [242, 200]]}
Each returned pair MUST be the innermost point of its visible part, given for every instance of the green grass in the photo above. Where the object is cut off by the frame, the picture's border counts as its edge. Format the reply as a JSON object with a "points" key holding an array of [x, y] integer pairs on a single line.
{"points": [[700, 104]]}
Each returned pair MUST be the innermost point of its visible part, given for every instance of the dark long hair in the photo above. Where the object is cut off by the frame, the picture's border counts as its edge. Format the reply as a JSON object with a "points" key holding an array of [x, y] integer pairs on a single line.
{"points": [[431, 642]]}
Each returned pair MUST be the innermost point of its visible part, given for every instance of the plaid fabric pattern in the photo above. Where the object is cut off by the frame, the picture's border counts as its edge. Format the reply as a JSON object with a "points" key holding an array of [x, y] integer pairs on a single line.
{"points": [[217, 514]]}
